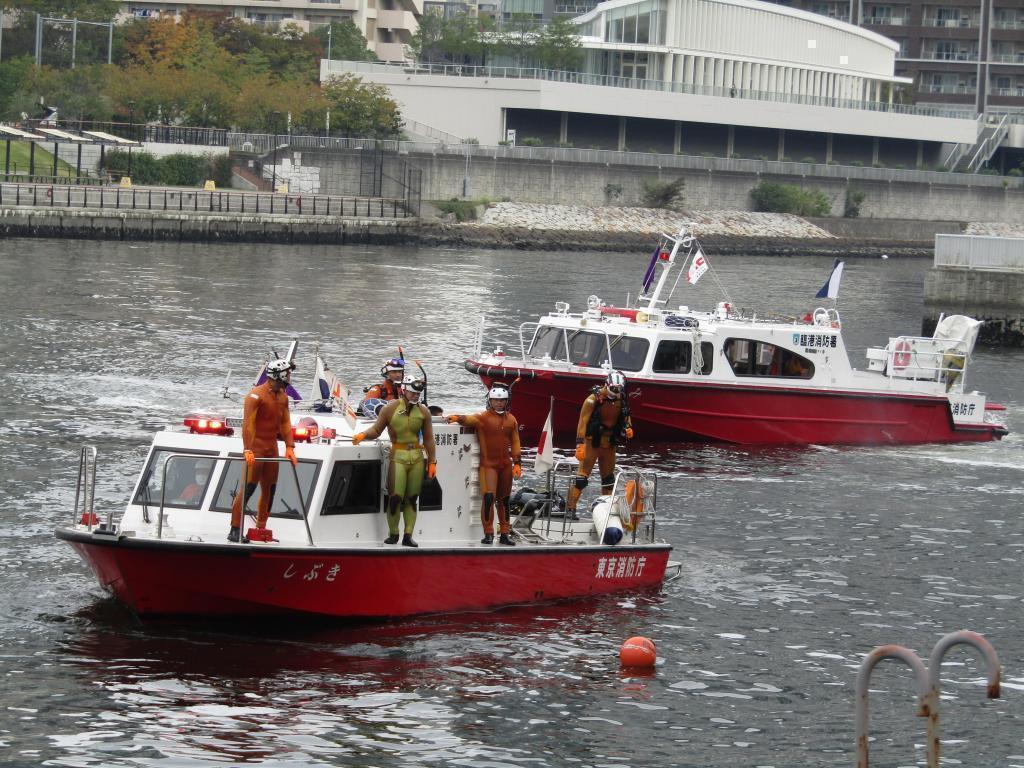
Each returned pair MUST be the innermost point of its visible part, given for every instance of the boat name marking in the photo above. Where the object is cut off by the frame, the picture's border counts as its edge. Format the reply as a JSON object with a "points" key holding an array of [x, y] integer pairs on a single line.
{"points": [[314, 572], [962, 409], [825, 340], [620, 567]]}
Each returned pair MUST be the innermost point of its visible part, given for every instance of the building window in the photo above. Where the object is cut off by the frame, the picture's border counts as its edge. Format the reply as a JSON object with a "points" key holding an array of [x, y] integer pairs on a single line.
{"points": [[639, 23]]}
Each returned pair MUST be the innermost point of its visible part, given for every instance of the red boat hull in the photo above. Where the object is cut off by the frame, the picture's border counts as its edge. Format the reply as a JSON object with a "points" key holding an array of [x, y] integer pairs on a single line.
{"points": [[745, 415], [163, 578]]}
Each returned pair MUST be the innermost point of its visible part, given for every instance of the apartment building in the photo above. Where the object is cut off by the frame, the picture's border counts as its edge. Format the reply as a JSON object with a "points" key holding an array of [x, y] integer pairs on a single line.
{"points": [[956, 53], [387, 25]]}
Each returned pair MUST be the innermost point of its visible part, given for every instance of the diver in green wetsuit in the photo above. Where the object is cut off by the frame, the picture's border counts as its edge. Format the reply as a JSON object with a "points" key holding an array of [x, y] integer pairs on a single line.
{"points": [[405, 420]]}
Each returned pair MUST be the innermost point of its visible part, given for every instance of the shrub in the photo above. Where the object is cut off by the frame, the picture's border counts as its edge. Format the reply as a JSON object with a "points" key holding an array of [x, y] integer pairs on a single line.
{"points": [[663, 194], [566, 145], [471, 140], [857, 163], [612, 192], [504, 143], [464, 210], [532, 141], [172, 170], [854, 197], [1014, 172], [220, 170], [789, 198], [808, 159]]}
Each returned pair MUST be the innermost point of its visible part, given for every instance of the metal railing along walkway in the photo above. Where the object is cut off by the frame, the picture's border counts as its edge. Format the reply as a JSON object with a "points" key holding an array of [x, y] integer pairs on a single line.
{"points": [[200, 201]]}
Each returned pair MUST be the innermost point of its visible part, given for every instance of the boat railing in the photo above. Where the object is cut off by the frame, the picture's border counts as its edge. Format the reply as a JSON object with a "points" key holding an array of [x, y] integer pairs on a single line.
{"points": [[245, 481], [927, 358], [634, 498], [85, 489]]}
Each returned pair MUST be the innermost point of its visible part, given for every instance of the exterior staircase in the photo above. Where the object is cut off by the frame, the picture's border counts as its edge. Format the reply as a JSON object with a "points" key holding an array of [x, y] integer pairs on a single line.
{"points": [[970, 158]]}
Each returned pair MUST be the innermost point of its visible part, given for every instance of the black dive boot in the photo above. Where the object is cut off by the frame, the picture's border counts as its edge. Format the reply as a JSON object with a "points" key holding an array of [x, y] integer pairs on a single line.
{"points": [[392, 539], [234, 534], [504, 539], [408, 542], [488, 539]]}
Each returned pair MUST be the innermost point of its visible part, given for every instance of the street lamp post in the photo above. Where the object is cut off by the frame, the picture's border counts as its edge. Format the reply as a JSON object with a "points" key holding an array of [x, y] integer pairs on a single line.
{"points": [[330, 28], [273, 168], [131, 134]]}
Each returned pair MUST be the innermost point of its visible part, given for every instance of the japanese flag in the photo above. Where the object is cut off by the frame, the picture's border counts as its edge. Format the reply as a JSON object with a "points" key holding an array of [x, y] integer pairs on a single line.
{"points": [[545, 460], [698, 267]]}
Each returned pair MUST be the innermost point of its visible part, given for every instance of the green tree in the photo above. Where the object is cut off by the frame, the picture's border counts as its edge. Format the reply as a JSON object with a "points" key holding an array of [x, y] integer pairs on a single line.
{"points": [[663, 194], [347, 42], [464, 39], [518, 39], [789, 198], [425, 46], [358, 109], [558, 46]]}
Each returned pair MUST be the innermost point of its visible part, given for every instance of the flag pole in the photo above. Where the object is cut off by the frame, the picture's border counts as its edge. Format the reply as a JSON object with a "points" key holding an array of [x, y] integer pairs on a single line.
{"points": [[551, 469]]}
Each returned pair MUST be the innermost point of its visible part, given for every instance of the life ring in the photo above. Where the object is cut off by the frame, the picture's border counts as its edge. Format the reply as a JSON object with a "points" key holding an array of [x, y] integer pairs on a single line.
{"points": [[636, 500], [901, 355], [820, 316]]}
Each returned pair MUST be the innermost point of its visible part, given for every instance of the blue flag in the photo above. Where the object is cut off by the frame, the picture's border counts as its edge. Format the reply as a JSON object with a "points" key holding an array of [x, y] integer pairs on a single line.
{"points": [[830, 290]]}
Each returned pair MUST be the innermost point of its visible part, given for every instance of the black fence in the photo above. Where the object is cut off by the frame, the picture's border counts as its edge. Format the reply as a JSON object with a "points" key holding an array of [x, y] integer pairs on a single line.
{"points": [[201, 201]]}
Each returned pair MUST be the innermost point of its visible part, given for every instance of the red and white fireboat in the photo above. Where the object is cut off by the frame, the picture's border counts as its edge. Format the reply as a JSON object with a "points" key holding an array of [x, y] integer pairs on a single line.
{"points": [[167, 554], [724, 377]]}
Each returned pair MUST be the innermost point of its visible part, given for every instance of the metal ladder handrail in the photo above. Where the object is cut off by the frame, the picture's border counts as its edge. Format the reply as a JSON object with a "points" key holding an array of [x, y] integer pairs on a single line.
{"points": [[269, 459], [87, 482]]}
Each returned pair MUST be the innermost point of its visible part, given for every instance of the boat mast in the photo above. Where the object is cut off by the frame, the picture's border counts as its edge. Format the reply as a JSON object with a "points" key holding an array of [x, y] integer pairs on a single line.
{"points": [[682, 239]]}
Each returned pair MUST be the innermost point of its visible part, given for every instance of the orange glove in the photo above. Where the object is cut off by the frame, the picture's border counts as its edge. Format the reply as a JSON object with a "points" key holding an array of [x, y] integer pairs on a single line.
{"points": [[250, 459], [629, 433], [517, 470], [431, 470], [453, 419], [581, 451], [357, 439], [289, 453]]}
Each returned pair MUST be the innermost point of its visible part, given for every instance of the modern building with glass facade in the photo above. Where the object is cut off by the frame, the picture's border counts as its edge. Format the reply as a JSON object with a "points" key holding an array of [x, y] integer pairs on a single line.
{"points": [[727, 78]]}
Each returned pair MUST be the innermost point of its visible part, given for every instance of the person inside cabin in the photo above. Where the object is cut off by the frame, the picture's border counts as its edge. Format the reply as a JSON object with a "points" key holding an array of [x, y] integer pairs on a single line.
{"points": [[265, 421], [498, 434], [192, 493], [604, 421], [796, 367], [408, 424], [393, 372]]}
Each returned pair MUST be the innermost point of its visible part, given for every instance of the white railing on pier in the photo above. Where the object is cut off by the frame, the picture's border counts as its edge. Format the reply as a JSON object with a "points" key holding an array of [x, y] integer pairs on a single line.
{"points": [[980, 252]]}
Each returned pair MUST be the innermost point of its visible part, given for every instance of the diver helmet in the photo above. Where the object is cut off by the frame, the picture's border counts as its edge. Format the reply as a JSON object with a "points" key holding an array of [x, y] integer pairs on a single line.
{"points": [[392, 365], [498, 392], [615, 384], [413, 389], [280, 370]]}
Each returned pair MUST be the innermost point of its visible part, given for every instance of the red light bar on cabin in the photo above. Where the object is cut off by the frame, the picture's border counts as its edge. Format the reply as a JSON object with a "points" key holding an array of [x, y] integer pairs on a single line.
{"points": [[207, 424], [306, 431]]}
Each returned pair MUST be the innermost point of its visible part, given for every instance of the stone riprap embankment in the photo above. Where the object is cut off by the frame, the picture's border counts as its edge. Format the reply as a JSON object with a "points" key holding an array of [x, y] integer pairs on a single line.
{"points": [[579, 228], [994, 229], [648, 221]]}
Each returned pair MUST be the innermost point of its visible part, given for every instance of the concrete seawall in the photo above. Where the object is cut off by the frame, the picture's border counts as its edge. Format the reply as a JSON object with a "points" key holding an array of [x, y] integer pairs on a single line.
{"points": [[158, 225]]}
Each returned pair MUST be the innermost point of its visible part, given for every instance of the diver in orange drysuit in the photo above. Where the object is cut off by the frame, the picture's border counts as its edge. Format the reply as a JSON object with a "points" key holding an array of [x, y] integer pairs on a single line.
{"points": [[604, 419], [393, 372], [266, 420], [498, 434]]}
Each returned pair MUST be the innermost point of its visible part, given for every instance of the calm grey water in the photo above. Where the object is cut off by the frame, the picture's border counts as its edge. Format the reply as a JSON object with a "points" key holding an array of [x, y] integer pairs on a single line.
{"points": [[795, 562]]}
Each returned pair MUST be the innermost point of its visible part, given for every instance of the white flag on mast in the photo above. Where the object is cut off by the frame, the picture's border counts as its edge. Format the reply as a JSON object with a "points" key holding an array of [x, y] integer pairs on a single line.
{"points": [[698, 267], [545, 460]]}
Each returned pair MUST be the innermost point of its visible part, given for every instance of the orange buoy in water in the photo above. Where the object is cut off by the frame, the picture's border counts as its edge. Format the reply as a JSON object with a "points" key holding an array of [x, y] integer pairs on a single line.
{"points": [[638, 652]]}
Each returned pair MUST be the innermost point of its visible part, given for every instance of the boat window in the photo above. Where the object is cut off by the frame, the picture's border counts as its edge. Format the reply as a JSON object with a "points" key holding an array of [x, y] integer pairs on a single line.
{"points": [[187, 478], [760, 358], [287, 502], [677, 357], [587, 348], [629, 353], [354, 489], [549, 342]]}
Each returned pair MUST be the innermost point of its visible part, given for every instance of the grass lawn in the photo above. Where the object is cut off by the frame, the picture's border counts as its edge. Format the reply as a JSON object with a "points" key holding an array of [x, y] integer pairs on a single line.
{"points": [[44, 160]]}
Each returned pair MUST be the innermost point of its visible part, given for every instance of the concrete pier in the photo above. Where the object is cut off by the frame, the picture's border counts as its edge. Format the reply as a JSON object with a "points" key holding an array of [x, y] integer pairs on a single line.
{"points": [[980, 276]]}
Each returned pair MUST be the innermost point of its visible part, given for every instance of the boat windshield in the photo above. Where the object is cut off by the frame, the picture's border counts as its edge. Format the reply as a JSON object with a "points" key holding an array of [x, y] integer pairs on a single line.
{"points": [[590, 348], [286, 497], [187, 479]]}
